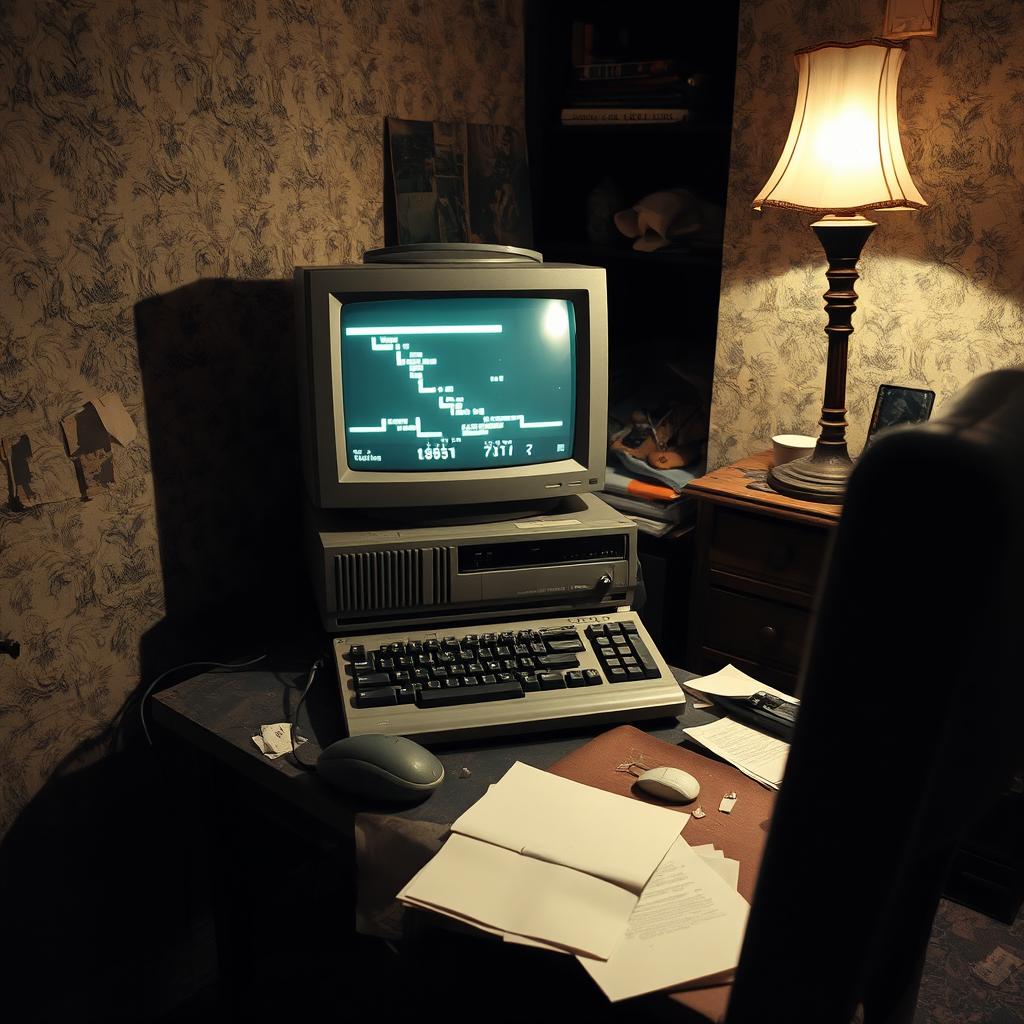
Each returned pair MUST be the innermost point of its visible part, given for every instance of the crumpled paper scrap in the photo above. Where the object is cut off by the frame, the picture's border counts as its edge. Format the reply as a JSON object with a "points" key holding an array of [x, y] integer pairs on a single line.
{"points": [[275, 740]]}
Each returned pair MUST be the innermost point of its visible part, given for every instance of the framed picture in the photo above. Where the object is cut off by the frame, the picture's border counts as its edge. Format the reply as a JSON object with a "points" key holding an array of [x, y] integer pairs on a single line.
{"points": [[895, 405], [906, 18]]}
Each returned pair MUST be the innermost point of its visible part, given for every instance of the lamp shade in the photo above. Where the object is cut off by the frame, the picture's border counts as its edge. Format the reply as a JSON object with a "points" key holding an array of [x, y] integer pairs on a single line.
{"points": [[843, 154]]}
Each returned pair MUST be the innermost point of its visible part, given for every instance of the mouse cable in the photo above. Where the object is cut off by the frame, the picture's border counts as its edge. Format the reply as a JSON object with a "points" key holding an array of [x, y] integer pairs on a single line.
{"points": [[318, 664], [177, 668]]}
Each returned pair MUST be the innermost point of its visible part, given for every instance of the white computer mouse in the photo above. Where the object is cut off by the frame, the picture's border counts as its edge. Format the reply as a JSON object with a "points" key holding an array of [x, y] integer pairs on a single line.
{"points": [[670, 784]]}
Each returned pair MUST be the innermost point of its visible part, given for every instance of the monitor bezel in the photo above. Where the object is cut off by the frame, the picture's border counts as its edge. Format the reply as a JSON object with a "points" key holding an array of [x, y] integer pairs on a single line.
{"points": [[334, 484]]}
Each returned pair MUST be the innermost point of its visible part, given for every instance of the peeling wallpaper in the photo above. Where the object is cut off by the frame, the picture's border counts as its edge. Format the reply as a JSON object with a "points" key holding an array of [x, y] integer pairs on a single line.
{"points": [[162, 167], [941, 291]]}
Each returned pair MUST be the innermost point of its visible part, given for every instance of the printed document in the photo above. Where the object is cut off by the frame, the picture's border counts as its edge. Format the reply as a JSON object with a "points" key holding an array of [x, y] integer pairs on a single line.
{"points": [[687, 926], [756, 754]]}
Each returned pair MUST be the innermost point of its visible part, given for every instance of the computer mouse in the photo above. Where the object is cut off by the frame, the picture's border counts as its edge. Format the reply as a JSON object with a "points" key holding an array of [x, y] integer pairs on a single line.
{"points": [[670, 784], [380, 767]]}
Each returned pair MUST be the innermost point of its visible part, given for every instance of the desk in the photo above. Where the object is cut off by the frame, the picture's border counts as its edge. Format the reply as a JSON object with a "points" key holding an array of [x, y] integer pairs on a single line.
{"points": [[217, 713]]}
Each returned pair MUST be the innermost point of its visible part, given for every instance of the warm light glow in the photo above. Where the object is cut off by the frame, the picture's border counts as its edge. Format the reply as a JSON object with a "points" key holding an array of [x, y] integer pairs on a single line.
{"points": [[844, 153]]}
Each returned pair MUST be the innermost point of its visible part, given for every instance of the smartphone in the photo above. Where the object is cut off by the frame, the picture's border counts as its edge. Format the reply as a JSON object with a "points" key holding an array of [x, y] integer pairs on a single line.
{"points": [[895, 405]]}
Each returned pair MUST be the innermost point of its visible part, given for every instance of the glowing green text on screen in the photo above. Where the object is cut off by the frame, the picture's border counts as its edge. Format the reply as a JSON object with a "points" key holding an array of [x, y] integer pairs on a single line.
{"points": [[458, 383]]}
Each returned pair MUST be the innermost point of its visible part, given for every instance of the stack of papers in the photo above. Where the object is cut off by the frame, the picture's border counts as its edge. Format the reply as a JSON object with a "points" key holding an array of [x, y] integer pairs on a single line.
{"points": [[686, 930], [755, 753], [548, 862], [548, 859]]}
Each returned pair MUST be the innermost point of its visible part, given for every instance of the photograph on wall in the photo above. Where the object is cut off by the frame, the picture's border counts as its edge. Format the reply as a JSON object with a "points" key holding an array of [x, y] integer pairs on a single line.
{"points": [[457, 182]]}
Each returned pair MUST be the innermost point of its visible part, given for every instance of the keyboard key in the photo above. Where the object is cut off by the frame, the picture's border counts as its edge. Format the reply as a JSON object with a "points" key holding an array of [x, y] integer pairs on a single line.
{"points": [[372, 680], [551, 680], [383, 696], [558, 661], [574, 679], [564, 646], [406, 694], [357, 652], [472, 695], [617, 675], [645, 658], [591, 677]]}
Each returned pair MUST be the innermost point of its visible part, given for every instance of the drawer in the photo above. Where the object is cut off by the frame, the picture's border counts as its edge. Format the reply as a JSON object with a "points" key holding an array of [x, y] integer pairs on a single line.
{"points": [[764, 548], [757, 630]]}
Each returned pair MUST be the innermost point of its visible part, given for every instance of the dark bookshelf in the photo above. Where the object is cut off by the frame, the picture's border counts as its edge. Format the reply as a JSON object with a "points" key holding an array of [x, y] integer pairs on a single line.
{"points": [[663, 305]]}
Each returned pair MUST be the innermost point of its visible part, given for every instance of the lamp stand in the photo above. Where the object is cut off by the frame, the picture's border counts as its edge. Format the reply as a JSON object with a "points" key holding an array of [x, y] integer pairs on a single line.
{"points": [[822, 475]]}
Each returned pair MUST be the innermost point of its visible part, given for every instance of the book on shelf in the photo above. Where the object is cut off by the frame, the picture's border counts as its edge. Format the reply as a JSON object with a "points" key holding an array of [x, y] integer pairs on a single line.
{"points": [[645, 115], [662, 97], [601, 71]]}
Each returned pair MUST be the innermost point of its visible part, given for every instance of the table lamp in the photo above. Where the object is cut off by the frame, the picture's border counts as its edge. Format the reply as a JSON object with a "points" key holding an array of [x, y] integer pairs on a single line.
{"points": [[843, 156]]}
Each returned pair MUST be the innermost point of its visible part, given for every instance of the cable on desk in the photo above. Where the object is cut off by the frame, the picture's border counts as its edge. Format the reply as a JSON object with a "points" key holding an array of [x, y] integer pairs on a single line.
{"points": [[188, 664], [295, 717]]}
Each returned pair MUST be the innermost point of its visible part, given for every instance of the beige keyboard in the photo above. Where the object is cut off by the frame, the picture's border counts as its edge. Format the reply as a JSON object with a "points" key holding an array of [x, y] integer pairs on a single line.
{"points": [[505, 677]]}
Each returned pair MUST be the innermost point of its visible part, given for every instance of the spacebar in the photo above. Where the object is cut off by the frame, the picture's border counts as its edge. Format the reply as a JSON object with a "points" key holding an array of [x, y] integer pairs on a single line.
{"points": [[467, 695]]}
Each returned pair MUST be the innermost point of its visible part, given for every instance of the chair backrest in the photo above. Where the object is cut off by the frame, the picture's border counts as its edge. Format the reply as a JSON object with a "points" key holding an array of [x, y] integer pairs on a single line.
{"points": [[911, 716]]}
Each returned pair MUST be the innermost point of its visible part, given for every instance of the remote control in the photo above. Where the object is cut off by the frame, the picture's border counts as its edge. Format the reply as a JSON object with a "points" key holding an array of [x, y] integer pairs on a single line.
{"points": [[764, 711]]}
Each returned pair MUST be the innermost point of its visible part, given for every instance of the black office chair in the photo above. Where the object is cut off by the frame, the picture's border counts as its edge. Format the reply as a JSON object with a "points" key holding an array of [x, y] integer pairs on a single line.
{"points": [[910, 722]]}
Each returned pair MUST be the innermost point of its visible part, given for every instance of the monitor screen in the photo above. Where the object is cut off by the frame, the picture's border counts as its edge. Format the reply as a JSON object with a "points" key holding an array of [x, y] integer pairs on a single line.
{"points": [[448, 384], [439, 384]]}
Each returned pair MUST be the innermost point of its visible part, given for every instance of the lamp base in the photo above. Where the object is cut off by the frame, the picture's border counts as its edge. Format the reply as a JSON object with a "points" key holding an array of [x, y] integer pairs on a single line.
{"points": [[818, 477]]}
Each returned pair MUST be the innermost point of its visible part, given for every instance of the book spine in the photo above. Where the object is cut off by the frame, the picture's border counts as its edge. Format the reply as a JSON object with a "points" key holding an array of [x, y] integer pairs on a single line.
{"points": [[624, 115], [624, 69]]}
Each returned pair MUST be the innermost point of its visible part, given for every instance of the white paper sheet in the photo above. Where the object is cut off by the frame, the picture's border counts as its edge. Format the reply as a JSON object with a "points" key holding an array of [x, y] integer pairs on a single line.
{"points": [[553, 819], [755, 753], [501, 889], [687, 925], [731, 682]]}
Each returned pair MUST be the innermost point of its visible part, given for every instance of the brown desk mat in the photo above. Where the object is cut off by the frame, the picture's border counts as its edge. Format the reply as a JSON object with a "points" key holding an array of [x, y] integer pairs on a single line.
{"points": [[740, 835]]}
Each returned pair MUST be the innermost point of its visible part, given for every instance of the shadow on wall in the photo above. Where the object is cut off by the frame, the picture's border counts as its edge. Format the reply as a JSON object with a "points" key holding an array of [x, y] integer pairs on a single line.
{"points": [[109, 844], [218, 377]]}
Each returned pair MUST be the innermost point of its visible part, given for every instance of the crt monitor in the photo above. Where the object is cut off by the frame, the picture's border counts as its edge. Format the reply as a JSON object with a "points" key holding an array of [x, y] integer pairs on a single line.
{"points": [[452, 384]]}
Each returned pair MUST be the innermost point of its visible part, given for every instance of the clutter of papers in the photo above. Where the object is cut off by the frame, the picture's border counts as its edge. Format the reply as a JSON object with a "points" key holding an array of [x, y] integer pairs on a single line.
{"points": [[756, 754], [544, 861]]}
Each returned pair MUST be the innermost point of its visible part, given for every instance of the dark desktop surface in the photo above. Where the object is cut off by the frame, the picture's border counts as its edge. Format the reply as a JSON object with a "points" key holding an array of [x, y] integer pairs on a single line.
{"points": [[219, 712], [283, 869]]}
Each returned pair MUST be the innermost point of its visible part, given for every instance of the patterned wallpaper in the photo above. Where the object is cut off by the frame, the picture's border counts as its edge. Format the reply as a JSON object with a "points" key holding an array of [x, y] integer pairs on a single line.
{"points": [[941, 291], [162, 168]]}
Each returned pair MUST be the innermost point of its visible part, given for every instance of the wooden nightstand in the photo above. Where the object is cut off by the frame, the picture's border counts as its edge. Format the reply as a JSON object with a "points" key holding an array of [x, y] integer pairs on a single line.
{"points": [[757, 559]]}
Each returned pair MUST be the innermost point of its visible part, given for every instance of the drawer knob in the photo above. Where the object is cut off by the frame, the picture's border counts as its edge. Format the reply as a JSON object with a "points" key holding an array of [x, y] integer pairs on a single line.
{"points": [[769, 634]]}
